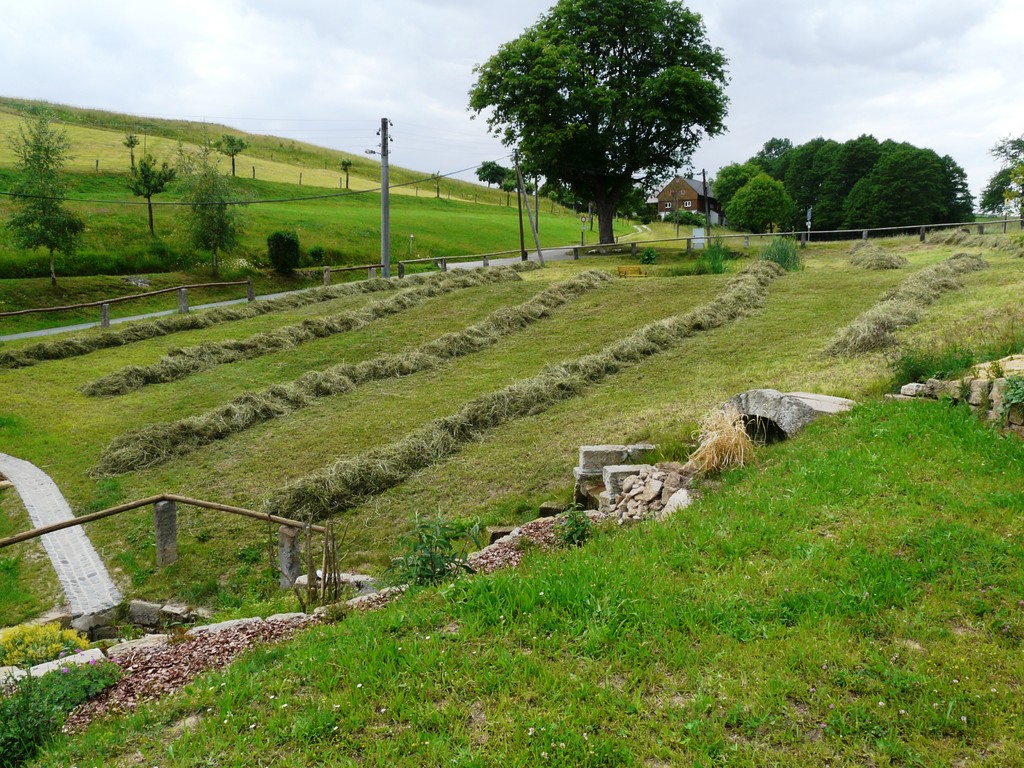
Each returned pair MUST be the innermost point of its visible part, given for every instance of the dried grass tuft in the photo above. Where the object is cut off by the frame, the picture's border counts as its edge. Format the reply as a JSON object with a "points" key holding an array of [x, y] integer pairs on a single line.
{"points": [[723, 442], [869, 256], [1012, 244]]}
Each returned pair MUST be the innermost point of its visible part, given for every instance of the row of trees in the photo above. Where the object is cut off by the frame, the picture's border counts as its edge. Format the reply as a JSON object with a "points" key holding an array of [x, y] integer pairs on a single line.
{"points": [[43, 220], [861, 183], [1004, 191]]}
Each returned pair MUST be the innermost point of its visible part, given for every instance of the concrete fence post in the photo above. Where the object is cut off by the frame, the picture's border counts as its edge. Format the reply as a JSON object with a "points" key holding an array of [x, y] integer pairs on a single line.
{"points": [[576, 254], [746, 242], [487, 261], [689, 244], [104, 316], [183, 301], [327, 275], [923, 230], [444, 265], [981, 229], [371, 273], [250, 290], [289, 556], [632, 250], [401, 269], [165, 523], [864, 235]]}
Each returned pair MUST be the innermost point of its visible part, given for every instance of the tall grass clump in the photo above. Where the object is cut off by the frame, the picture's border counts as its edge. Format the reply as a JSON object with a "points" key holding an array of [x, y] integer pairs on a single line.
{"points": [[902, 307], [783, 251], [183, 362], [346, 483], [865, 255], [722, 441], [142, 331], [1011, 244], [950, 359], [158, 443]]}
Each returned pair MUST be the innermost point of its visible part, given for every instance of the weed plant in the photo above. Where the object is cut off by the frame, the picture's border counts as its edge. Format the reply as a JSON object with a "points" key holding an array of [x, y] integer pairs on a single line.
{"points": [[344, 484], [783, 251], [30, 644], [157, 443], [432, 552], [575, 528]]}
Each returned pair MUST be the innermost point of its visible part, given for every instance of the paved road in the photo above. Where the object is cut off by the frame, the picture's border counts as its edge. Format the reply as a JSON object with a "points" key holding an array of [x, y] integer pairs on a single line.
{"points": [[82, 575]]}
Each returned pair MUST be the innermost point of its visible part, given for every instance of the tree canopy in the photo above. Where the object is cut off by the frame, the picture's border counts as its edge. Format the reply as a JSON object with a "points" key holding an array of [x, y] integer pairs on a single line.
{"points": [[232, 146], [42, 220], [1002, 194], [602, 95], [491, 172], [148, 179], [860, 183], [213, 222], [761, 205]]}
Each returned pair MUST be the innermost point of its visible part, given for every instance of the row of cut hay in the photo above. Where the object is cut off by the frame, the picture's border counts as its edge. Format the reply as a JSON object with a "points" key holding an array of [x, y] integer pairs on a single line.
{"points": [[903, 306], [865, 255], [182, 362], [1012, 244], [151, 329], [346, 483], [158, 443]]}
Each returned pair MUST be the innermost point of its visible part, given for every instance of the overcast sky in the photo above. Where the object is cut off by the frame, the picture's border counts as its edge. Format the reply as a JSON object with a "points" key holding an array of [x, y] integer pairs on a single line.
{"points": [[943, 74]]}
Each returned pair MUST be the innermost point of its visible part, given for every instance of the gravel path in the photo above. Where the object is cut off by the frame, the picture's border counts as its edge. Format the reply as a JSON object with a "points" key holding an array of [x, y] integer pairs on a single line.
{"points": [[86, 583]]}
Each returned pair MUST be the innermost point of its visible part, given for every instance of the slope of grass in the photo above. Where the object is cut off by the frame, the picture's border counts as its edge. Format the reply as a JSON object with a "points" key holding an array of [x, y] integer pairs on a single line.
{"points": [[840, 602]]}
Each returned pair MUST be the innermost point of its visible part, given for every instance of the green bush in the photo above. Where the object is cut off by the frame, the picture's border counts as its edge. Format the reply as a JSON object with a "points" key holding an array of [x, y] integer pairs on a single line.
{"points": [[783, 251], [316, 256], [431, 554], [648, 256], [29, 644], [1013, 395], [36, 709], [283, 251]]}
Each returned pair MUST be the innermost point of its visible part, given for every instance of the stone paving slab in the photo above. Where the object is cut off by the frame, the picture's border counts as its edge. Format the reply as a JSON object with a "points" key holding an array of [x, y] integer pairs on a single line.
{"points": [[82, 575]]}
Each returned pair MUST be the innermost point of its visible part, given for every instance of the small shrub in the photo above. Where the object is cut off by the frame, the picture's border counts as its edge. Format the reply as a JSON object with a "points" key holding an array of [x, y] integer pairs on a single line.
{"points": [[648, 256], [36, 709], [316, 256], [783, 251], [431, 554], [923, 363], [575, 528], [26, 645], [283, 251]]}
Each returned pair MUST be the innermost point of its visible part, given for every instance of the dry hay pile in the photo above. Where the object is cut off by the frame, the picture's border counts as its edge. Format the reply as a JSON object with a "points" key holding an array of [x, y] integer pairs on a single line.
{"points": [[182, 362], [151, 329], [346, 483], [865, 255], [1011, 244], [160, 442], [903, 306]]}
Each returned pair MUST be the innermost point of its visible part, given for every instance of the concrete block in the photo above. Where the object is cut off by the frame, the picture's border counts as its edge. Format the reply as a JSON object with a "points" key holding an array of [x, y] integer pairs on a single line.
{"points": [[175, 613], [144, 614], [224, 625], [90, 623], [287, 616], [86, 656], [594, 458], [495, 532], [614, 474], [149, 641], [638, 451], [551, 509], [914, 390]]}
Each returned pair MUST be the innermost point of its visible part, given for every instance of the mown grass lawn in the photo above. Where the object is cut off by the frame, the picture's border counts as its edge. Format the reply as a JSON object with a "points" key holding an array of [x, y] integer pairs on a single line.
{"points": [[852, 598]]}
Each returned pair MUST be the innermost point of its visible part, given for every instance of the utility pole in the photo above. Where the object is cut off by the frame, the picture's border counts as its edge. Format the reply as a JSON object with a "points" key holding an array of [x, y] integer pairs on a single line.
{"points": [[385, 201], [707, 202], [533, 223], [519, 204]]}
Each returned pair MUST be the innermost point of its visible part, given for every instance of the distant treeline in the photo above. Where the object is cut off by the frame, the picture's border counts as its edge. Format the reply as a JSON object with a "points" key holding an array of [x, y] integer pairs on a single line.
{"points": [[858, 184]]}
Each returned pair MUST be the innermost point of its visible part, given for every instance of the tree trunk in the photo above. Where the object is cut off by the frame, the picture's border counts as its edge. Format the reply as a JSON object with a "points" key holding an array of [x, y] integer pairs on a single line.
{"points": [[149, 204], [606, 220], [216, 271], [346, 179], [232, 165], [53, 271]]}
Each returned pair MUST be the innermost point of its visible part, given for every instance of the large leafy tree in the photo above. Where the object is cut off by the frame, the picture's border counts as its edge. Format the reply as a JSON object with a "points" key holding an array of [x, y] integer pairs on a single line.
{"points": [[42, 220], [232, 146], [601, 95], [213, 221], [761, 205], [1004, 190], [731, 178], [148, 179], [906, 186]]}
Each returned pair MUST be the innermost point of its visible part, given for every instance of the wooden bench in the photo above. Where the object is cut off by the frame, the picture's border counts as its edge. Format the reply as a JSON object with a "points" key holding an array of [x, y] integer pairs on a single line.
{"points": [[632, 271]]}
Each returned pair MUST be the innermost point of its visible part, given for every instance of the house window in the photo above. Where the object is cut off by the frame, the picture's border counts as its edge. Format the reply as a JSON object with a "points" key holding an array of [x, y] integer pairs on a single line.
{"points": [[668, 205], [688, 204]]}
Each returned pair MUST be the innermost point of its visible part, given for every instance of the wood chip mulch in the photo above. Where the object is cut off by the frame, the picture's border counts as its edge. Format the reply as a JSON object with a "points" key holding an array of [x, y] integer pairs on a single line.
{"points": [[150, 673]]}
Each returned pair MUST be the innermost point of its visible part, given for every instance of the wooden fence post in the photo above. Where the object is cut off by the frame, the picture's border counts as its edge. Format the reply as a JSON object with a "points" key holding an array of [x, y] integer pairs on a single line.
{"points": [[104, 316], [922, 234], [444, 265], [165, 522], [401, 270], [632, 250], [327, 275], [981, 229], [183, 301], [250, 290], [576, 253], [689, 244], [289, 556]]}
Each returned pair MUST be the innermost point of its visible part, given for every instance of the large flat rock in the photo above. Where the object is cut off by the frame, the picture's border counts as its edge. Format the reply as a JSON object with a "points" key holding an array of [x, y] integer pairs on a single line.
{"points": [[771, 415]]}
